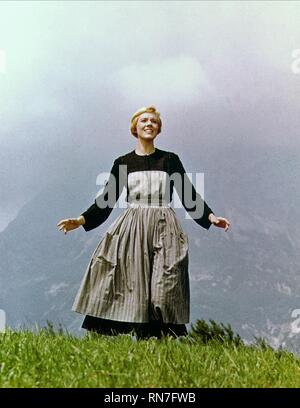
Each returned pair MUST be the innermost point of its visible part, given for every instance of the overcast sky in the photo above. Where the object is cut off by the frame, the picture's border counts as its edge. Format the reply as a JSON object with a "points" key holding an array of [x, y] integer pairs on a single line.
{"points": [[72, 74]]}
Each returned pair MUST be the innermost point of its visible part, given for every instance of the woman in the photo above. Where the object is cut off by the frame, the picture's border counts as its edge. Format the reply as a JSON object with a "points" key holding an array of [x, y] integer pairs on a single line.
{"points": [[137, 279]]}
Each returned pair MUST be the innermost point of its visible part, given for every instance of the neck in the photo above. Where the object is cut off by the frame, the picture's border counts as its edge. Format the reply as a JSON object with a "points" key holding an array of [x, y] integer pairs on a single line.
{"points": [[144, 146]]}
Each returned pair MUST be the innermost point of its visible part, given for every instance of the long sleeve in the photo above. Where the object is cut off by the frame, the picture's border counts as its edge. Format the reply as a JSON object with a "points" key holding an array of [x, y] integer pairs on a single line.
{"points": [[103, 205], [184, 186]]}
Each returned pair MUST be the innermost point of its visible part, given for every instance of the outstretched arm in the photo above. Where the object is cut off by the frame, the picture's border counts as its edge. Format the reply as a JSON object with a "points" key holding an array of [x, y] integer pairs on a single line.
{"points": [[183, 187], [96, 215], [103, 205]]}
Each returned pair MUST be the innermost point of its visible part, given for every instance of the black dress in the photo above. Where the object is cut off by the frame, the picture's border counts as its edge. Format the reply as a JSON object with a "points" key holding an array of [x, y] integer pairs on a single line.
{"points": [[137, 279]]}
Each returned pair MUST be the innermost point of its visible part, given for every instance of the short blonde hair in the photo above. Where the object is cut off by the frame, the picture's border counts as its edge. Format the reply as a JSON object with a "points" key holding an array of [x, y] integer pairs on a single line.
{"points": [[135, 116]]}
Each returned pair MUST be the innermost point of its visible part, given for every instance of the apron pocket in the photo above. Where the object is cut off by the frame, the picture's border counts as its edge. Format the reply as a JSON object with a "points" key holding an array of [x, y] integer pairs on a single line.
{"points": [[108, 249]]}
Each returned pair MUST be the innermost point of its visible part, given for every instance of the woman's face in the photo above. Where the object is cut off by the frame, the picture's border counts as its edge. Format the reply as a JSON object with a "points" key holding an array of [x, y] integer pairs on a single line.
{"points": [[147, 126]]}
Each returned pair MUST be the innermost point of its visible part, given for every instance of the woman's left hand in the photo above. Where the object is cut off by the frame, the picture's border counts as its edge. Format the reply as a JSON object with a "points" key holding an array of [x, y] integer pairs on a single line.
{"points": [[220, 222]]}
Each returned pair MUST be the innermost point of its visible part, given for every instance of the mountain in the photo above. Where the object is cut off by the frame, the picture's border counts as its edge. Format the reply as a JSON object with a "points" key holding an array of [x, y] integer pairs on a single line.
{"points": [[248, 277]]}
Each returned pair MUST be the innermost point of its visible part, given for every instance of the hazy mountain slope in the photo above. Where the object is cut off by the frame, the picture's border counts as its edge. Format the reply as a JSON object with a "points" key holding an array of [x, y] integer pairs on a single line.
{"points": [[248, 277]]}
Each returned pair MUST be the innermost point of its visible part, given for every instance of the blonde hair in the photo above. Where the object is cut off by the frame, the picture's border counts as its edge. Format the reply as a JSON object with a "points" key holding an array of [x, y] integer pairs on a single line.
{"points": [[135, 117]]}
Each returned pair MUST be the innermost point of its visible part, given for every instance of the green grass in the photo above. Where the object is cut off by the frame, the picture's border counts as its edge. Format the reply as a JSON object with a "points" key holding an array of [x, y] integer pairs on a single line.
{"points": [[49, 359]]}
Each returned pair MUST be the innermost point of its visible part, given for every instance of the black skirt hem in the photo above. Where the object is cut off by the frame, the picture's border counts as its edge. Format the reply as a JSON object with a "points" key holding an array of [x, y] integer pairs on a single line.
{"points": [[154, 328]]}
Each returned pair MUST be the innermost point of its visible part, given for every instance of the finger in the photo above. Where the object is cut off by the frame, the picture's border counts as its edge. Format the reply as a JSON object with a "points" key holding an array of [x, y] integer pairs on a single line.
{"points": [[224, 219], [65, 221], [61, 222]]}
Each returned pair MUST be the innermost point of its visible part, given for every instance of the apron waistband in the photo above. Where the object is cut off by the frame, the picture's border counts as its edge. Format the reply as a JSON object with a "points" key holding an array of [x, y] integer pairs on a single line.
{"points": [[135, 204]]}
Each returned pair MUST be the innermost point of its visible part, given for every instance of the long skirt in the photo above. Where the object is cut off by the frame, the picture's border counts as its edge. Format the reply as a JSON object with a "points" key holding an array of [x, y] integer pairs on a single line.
{"points": [[137, 277]]}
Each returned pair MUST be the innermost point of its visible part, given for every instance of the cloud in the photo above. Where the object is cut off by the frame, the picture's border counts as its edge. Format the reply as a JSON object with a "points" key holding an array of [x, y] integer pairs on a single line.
{"points": [[2, 62], [180, 79], [71, 84]]}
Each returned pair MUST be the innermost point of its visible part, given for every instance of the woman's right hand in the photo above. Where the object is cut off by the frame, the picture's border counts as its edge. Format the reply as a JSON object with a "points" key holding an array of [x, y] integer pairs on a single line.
{"points": [[70, 224]]}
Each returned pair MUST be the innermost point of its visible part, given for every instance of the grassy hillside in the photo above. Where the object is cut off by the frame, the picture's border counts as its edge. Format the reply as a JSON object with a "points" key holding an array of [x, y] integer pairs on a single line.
{"points": [[52, 359]]}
